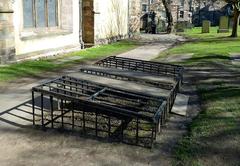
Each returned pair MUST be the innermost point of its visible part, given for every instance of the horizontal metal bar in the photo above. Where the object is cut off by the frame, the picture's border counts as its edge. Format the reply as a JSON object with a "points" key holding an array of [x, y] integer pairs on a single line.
{"points": [[137, 60], [123, 77], [95, 106], [96, 94], [129, 92], [80, 82]]}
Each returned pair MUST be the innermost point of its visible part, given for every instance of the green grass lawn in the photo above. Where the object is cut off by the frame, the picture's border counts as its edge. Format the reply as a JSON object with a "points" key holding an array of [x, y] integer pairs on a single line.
{"points": [[214, 135], [207, 46], [34, 68]]}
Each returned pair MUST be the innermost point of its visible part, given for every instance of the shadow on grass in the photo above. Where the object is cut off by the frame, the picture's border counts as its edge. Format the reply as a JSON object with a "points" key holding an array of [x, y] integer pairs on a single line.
{"points": [[214, 135], [31, 69], [219, 39], [210, 57]]}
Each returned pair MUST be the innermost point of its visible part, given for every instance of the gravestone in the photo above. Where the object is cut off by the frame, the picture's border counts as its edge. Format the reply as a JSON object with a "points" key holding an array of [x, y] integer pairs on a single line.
{"points": [[223, 24], [206, 26], [180, 26], [161, 26]]}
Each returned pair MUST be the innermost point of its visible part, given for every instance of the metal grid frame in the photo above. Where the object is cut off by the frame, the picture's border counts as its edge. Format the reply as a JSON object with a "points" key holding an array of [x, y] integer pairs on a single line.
{"points": [[77, 100], [172, 87], [158, 68]]}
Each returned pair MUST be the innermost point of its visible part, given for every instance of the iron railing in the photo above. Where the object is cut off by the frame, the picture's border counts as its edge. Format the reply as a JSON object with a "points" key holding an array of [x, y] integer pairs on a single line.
{"points": [[98, 110]]}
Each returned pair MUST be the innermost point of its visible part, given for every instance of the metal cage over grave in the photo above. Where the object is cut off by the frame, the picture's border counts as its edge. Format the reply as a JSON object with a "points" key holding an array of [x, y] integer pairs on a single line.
{"points": [[175, 71], [98, 110], [167, 83], [120, 99]]}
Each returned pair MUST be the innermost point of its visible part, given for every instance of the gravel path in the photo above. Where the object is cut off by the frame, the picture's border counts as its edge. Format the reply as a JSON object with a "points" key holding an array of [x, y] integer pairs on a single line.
{"points": [[153, 46]]}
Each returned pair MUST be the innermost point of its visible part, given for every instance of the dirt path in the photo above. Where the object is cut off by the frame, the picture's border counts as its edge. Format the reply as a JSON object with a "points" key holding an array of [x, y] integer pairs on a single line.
{"points": [[22, 145]]}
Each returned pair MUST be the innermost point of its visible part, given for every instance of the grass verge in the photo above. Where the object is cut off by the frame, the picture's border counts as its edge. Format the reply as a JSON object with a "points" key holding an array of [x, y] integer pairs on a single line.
{"points": [[207, 46], [34, 68], [214, 135]]}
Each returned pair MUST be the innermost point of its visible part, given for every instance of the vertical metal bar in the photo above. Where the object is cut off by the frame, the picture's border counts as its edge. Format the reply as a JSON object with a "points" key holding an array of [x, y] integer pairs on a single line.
{"points": [[51, 106], [152, 136], [33, 108], [122, 130], [42, 110], [62, 111], [84, 129], [96, 123], [76, 87], [82, 86], [109, 126], [71, 87], [159, 126], [73, 115], [137, 131], [155, 132], [87, 86], [163, 117]]}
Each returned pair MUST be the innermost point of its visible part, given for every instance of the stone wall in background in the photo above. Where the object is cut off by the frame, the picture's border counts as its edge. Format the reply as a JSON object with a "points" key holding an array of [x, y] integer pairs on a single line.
{"points": [[110, 20], [7, 41]]}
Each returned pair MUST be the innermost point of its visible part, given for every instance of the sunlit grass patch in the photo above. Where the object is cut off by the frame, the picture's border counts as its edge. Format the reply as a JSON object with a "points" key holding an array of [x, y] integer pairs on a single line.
{"points": [[33, 68]]}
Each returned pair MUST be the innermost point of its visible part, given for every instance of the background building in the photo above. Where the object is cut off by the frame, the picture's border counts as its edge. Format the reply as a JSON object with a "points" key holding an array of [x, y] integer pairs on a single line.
{"points": [[181, 12], [29, 27], [209, 10]]}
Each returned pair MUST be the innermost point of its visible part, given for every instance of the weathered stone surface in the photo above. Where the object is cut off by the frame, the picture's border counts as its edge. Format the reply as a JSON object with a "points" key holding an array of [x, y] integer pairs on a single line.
{"points": [[5, 5], [206, 26], [7, 46], [223, 24]]}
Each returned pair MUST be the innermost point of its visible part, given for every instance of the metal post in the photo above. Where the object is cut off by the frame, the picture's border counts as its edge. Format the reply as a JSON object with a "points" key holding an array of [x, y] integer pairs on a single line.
{"points": [[62, 111], [163, 117], [72, 115], [42, 110], [137, 132], [33, 107], [51, 105], [109, 126], [155, 132], [84, 130], [152, 136], [122, 130], [96, 121]]}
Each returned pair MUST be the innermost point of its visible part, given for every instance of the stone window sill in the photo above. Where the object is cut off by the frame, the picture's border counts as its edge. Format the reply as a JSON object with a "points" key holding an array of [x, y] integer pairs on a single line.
{"points": [[42, 33]]}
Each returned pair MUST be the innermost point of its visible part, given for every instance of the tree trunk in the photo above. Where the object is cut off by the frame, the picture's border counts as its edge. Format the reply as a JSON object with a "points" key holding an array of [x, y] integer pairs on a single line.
{"points": [[169, 15], [235, 22]]}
